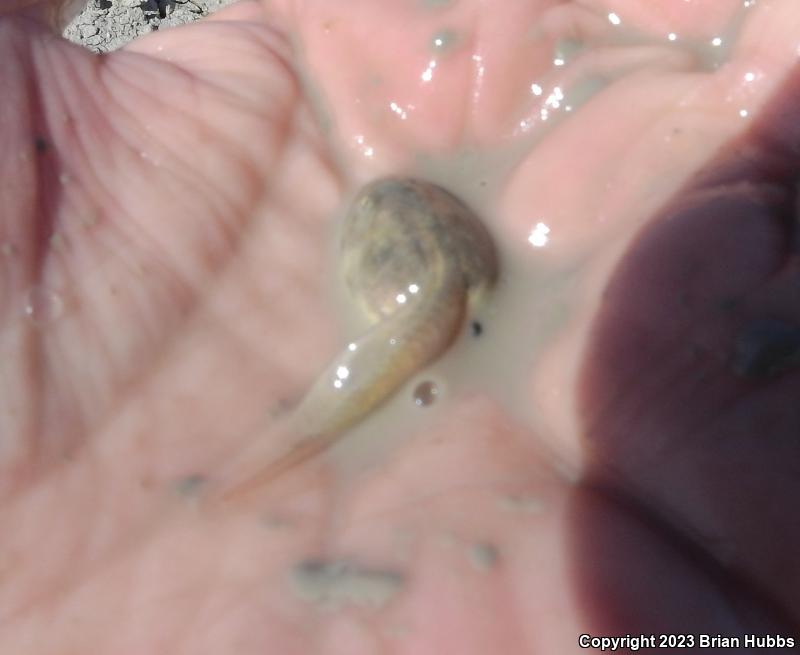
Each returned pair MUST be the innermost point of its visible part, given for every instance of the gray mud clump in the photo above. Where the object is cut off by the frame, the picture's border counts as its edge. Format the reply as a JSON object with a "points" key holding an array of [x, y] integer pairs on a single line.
{"points": [[106, 25], [342, 583]]}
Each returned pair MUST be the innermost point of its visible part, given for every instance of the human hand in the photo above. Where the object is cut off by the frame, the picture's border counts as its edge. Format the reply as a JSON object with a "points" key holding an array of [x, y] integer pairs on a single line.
{"points": [[166, 225]]}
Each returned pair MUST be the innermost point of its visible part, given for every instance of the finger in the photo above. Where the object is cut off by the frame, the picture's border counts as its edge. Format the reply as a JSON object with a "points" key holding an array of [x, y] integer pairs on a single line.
{"points": [[54, 14], [693, 364]]}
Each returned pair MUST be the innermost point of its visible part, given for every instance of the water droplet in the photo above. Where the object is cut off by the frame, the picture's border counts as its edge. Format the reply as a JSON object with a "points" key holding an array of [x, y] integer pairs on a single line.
{"points": [[397, 109], [444, 40], [42, 305], [425, 394], [539, 235], [427, 74], [146, 156]]}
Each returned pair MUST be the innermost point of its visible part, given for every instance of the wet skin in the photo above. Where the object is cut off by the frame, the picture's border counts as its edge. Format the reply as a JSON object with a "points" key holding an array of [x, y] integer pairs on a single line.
{"points": [[193, 219]]}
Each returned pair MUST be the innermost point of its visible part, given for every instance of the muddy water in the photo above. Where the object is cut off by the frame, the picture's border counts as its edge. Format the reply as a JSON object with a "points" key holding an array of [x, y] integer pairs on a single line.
{"points": [[539, 293]]}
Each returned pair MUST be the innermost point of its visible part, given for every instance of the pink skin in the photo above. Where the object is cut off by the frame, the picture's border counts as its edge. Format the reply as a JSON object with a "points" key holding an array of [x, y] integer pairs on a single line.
{"points": [[190, 188]]}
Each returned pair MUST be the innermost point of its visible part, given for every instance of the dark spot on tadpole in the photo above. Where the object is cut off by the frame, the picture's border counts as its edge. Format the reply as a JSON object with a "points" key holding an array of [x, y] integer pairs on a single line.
{"points": [[766, 348], [477, 328], [41, 144]]}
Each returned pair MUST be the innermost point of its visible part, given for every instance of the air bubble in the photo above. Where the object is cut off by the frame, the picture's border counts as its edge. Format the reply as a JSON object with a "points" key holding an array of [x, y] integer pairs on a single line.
{"points": [[42, 305], [444, 40], [425, 394]]}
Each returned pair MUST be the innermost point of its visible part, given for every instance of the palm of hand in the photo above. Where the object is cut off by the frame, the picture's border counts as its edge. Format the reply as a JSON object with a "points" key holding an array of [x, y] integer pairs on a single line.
{"points": [[180, 188]]}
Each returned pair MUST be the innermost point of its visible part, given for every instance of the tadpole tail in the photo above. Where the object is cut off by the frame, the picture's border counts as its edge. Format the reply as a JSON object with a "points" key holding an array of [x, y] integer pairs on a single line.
{"points": [[297, 455], [361, 378]]}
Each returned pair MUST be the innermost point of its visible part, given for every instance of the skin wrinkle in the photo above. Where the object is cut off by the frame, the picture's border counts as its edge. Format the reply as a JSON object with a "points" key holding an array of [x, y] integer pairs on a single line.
{"points": [[165, 274], [34, 262], [75, 577], [228, 211], [220, 80], [233, 101], [158, 360], [166, 345]]}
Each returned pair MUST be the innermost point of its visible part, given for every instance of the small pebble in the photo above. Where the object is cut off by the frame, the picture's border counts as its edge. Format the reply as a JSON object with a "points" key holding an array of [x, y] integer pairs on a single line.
{"points": [[483, 556], [190, 485], [338, 583]]}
